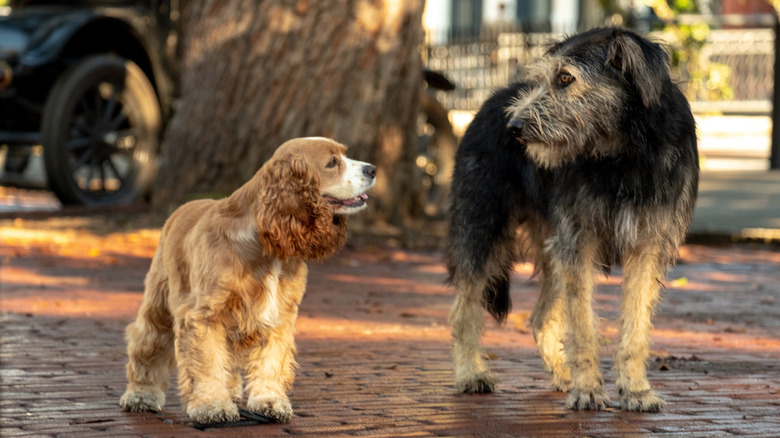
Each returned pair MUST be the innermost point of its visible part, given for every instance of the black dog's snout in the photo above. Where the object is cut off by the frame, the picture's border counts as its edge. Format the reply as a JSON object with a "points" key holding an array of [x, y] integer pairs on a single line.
{"points": [[369, 170], [515, 127]]}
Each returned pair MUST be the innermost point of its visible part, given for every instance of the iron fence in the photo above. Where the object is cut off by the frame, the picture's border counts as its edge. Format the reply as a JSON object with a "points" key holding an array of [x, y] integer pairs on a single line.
{"points": [[478, 68]]}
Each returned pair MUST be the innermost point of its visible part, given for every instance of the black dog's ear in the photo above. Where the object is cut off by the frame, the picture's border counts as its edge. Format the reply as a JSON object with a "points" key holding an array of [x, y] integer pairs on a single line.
{"points": [[641, 61]]}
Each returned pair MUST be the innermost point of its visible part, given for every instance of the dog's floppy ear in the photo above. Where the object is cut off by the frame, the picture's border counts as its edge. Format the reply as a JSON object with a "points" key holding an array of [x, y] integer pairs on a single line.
{"points": [[641, 61], [292, 218]]}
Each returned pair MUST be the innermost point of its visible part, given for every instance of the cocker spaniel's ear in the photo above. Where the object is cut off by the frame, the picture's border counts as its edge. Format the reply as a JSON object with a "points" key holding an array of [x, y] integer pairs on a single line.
{"points": [[292, 218]]}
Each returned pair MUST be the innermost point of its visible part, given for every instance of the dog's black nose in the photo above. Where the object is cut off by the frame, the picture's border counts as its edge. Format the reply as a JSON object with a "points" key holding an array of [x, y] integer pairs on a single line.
{"points": [[515, 127], [369, 170]]}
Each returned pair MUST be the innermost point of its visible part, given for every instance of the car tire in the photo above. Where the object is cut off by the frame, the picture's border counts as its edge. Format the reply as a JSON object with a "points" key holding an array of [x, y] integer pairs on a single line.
{"points": [[100, 132]]}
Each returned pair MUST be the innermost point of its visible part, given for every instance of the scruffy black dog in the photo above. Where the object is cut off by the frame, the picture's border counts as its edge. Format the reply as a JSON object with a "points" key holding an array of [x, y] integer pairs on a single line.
{"points": [[589, 162]]}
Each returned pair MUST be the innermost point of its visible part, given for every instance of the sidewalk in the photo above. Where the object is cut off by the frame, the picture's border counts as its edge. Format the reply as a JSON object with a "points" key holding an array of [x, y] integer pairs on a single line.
{"points": [[742, 205], [374, 346]]}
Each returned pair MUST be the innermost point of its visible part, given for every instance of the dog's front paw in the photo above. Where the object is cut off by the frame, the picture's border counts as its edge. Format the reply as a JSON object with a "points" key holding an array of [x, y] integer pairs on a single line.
{"points": [[477, 384], [142, 401], [593, 399], [276, 408], [561, 380], [213, 411], [642, 401]]}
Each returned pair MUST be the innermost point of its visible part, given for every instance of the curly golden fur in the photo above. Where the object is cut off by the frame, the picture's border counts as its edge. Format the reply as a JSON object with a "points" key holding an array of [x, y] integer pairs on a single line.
{"points": [[223, 290]]}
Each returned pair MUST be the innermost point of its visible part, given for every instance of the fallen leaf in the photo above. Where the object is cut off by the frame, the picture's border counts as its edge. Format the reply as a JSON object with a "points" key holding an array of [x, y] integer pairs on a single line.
{"points": [[491, 356]]}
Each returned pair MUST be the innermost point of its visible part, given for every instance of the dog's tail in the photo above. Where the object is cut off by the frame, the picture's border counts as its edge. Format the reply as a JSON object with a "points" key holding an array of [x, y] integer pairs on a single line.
{"points": [[496, 299]]}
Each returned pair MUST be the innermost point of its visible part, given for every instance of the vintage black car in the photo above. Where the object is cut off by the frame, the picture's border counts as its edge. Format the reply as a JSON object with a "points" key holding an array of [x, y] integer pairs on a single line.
{"points": [[93, 82]]}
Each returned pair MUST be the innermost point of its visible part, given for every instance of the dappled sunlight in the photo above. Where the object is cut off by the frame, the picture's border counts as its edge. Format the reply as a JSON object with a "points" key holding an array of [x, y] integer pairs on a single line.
{"points": [[716, 298], [401, 284], [76, 304], [525, 268], [433, 269], [79, 243], [690, 285], [703, 340], [14, 278], [358, 329]]}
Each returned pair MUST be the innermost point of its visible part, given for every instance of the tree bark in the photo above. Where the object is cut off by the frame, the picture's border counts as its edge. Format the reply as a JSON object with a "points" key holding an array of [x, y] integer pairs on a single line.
{"points": [[774, 150], [257, 73]]}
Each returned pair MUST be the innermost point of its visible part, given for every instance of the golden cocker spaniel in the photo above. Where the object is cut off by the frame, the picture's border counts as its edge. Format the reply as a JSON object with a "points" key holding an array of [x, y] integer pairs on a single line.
{"points": [[223, 290]]}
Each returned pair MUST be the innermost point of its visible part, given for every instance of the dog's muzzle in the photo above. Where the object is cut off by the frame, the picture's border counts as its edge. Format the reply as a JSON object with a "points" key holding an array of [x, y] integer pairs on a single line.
{"points": [[515, 128], [369, 170]]}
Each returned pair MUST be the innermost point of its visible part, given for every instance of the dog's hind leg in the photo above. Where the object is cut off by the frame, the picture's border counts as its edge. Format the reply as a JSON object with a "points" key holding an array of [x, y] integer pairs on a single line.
{"points": [[489, 200], [149, 349], [582, 340], [643, 270], [467, 320], [549, 324], [487, 289]]}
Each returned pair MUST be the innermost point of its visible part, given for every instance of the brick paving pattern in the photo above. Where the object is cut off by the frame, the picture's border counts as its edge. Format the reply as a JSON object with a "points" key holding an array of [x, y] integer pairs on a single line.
{"points": [[374, 347]]}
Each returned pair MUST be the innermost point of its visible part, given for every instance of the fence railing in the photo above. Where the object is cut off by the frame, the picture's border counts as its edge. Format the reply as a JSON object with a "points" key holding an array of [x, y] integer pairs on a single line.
{"points": [[478, 68]]}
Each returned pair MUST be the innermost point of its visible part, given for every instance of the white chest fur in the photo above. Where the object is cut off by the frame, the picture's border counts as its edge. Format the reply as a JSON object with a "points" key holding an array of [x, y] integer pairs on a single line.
{"points": [[267, 312]]}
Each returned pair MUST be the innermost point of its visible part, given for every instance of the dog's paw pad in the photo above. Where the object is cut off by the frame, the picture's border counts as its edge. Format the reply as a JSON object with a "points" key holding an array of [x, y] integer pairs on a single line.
{"points": [[275, 408], [213, 411], [581, 399], [140, 401], [643, 401], [478, 384]]}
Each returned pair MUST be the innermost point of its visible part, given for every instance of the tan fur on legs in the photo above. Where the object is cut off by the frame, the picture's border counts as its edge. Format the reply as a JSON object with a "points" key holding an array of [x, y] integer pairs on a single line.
{"points": [[467, 320], [549, 325], [149, 349], [271, 365], [205, 373], [582, 342], [642, 272]]}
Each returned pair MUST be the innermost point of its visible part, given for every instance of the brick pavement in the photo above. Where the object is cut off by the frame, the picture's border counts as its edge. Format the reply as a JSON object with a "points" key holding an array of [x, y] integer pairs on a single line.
{"points": [[374, 346]]}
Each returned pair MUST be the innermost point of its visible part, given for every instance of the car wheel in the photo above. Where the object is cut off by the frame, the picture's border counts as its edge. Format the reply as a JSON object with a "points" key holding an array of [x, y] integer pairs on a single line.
{"points": [[100, 132]]}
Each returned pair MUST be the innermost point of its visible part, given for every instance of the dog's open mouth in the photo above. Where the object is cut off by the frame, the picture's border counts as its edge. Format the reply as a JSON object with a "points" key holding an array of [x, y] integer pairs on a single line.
{"points": [[355, 202]]}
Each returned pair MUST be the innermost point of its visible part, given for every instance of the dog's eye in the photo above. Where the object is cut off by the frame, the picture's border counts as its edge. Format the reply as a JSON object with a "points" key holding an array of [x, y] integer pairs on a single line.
{"points": [[334, 161], [565, 79]]}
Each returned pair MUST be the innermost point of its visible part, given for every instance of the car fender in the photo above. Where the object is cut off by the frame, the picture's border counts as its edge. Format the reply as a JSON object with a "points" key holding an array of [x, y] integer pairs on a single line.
{"points": [[49, 41]]}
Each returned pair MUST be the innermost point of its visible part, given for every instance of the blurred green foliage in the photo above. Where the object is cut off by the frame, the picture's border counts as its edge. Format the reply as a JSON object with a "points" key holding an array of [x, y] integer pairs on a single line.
{"points": [[702, 78]]}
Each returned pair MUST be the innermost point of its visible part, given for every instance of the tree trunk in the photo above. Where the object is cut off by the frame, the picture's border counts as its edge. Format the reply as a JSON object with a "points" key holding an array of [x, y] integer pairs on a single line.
{"points": [[774, 151], [257, 73]]}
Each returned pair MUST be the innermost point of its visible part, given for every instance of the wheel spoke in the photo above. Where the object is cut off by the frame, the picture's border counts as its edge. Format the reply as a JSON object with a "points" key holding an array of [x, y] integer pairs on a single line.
{"points": [[116, 173], [78, 143], [90, 172], [108, 111], [88, 114], [117, 121], [98, 99], [102, 177], [81, 125], [87, 156]]}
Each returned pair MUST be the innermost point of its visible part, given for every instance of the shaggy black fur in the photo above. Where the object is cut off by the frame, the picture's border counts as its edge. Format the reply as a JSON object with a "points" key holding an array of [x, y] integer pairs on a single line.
{"points": [[496, 186]]}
